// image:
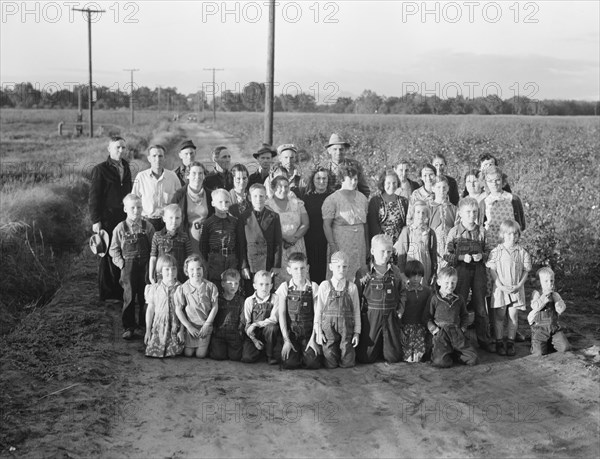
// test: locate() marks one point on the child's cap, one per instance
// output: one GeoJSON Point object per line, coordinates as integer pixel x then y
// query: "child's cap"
{"type": "Point", "coordinates": [339, 257]}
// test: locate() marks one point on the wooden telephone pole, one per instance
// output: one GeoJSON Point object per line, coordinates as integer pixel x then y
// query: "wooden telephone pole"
{"type": "Point", "coordinates": [131, 92]}
{"type": "Point", "coordinates": [90, 92]}
{"type": "Point", "coordinates": [213, 70]}
{"type": "Point", "coordinates": [270, 87]}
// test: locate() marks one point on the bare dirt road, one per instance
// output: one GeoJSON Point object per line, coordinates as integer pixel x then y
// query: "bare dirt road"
{"type": "Point", "coordinates": [96, 395]}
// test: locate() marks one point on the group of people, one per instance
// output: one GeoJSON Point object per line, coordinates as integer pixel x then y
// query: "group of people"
{"type": "Point", "coordinates": [311, 270]}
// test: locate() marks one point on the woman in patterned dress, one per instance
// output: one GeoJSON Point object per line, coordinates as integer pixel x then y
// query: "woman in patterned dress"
{"type": "Point", "coordinates": [345, 221]}
{"type": "Point", "coordinates": [293, 219]}
{"type": "Point", "coordinates": [387, 210]}
{"type": "Point", "coordinates": [319, 187]}
{"type": "Point", "coordinates": [497, 206]}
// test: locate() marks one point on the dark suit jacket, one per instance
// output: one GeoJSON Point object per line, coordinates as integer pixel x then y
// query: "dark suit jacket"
{"type": "Point", "coordinates": [216, 180]}
{"type": "Point", "coordinates": [106, 194]}
{"type": "Point", "coordinates": [271, 231]}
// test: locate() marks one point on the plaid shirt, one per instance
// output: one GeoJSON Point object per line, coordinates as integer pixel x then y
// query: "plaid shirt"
{"type": "Point", "coordinates": [461, 241]}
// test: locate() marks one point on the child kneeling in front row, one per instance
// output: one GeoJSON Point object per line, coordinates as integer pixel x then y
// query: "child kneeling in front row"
{"type": "Point", "coordinates": [226, 341]}
{"type": "Point", "coordinates": [543, 318]}
{"type": "Point", "coordinates": [337, 317]}
{"type": "Point", "coordinates": [382, 295]}
{"type": "Point", "coordinates": [414, 337]}
{"type": "Point", "coordinates": [196, 306]}
{"type": "Point", "coordinates": [162, 325]}
{"type": "Point", "coordinates": [297, 299]}
{"type": "Point", "coordinates": [447, 319]}
{"type": "Point", "coordinates": [261, 321]}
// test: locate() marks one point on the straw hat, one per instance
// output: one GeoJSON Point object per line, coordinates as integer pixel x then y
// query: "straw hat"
{"type": "Point", "coordinates": [335, 139]}
{"type": "Point", "coordinates": [99, 243]}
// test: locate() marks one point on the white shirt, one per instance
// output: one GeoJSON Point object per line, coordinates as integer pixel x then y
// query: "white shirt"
{"type": "Point", "coordinates": [155, 193]}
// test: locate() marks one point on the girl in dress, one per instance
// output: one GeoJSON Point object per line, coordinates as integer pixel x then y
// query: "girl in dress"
{"type": "Point", "coordinates": [509, 265]}
{"type": "Point", "coordinates": [418, 242]}
{"type": "Point", "coordinates": [387, 210]}
{"type": "Point", "coordinates": [196, 305]}
{"type": "Point", "coordinates": [162, 324]}
{"type": "Point", "coordinates": [413, 331]}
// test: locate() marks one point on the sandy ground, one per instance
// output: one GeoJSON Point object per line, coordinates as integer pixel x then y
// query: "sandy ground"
{"type": "Point", "coordinates": [101, 397]}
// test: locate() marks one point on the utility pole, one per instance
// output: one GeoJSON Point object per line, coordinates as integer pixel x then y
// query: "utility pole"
{"type": "Point", "coordinates": [213, 70]}
{"type": "Point", "coordinates": [158, 101]}
{"type": "Point", "coordinates": [270, 87]}
{"type": "Point", "coordinates": [131, 92]}
{"type": "Point", "coordinates": [89, 21]}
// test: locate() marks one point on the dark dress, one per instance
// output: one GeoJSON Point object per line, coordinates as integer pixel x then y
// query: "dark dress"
{"type": "Point", "coordinates": [316, 243]}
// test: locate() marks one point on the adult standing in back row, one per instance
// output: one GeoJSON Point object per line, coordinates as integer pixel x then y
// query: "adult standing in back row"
{"type": "Point", "coordinates": [337, 149]}
{"type": "Point", "coordinates": [111, 182]}
{"type": "Point", "coordinates": [156, 186]}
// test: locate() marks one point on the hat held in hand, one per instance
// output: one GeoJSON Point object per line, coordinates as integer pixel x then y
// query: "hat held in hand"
{"type": "Point", "coordinates": [99, 243]}
{"type": "Point", "coordinates": [335, 139]}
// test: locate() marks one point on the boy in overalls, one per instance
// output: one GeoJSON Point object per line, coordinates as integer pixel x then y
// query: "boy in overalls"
{"type": "Point", "coordinates": [296, 316]}
{"type": "Point", "coordinates": [259, 238]}
{"type": "Point", "coordinates": [337, 316]}
{"type": "Point", "coordinates": [261, 321]}
{"type": "Point", "coordinates": [130, 252]}
{"type": "Point", "coordinates": [383, 299]}
{"type": "Point", "coordinates": [543, 318]}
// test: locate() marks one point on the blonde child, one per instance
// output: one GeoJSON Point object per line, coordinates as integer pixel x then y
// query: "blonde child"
{"type": "Point", "coordinates": [543, 318]}
{"type": "Point", "coordinates": [443, 216]}
{"type": "Point", "coordinates": [509, 265]}
{"type": "Point", "coordinates": [382, 296]}
{"type": "Point", "coordinates": [447, 317]}
{"type": "Point", "coordinates": [196, 306]}
{"type": "Point", "coordinates": [467, 252]}
{"type": "Point", "coordinates": [170, 240]}
{"type": "Point", "coordinates": [413, 331]}
{"type": "Point", "coordinates": [162, 324]}
{"type": "Point", "coordinates": [130, 252]}
{"type": "Point", "coordinates": [218, 237]}
{"type": "Point", "coordinates": [418, 242]}
{"type": "Point", "coordinates": [261, 318]}
{"type": "Point", "coordinates": [337, 316]}
{"type": "Point", "coordinates": [226, 341]}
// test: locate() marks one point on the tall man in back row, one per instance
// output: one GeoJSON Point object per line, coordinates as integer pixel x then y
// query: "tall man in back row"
{"type": "Point", "coordinates": [111, 182]}
{"type": "Point", "coordinates": [221, 176]}
{"type": "Point", "coordinates": [337, 149]}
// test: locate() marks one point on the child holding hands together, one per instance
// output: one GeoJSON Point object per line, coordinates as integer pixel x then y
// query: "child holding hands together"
{"type": "Point", "coordinates": [509, 265]}
{"type": "Point", "coordinates": [196, 306]}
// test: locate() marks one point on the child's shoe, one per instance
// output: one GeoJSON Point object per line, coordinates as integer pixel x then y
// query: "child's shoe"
{"type": "Point", "coordinates": [510, 349]}
{"type": "Point", "coordinates": [128, 334]}
{"type": "Point", "coordinates": [500, 349]}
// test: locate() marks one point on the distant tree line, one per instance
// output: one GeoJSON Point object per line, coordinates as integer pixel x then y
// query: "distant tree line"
{"type": "Point", "coordinates": [252, 98]}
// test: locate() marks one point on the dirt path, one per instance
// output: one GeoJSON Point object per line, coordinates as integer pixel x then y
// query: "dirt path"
{"type": "Point", "coordinates": [104, 398]}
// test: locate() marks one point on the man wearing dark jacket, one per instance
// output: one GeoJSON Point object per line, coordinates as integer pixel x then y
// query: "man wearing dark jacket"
{"type": "Point", "coordinates": [111, 182]}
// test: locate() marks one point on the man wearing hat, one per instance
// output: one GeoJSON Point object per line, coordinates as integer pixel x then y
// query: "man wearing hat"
{"type": "Point", "coordinates": [221, 176]}
{"type": "Point", "coordinates": [287, 156]}
{"type": "Point", "coordinates": [337, 148]}
{"type": "Point", "coordinates": [264, 156]}
{"type": "Point", "coordinates": [187, 154]}
{"type": "Point", "coordinates": [111, 182]}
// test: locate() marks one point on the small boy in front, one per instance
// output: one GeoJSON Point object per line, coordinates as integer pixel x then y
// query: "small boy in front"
{"type": "Point", "coordinates": [218, 237]}
{"type": "Point", "coordinates": [467, 252]}
{"type": "Point", "coordinates": [261, 321]}
{"type": "Point", "coordinates": [543, 318]}
{"type": "Point", "coordinates": [337, 316]}
{"type": "Point", "coordinates": [171, 240]}
{"type": "Point", "coordinates": [259, 237]}
{"type": "Point", "coordinates": [130, 252]}
{"type": "Point", "coordinates": [226, 341]}
{"type": "Point", "coordinates": [382, 304]}
{"type": "Point", "coordinates": [447, 317]}
{"type": "Point", "coordinates": [297, 299]}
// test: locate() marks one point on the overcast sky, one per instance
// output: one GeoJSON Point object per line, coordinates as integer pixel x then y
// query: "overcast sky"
{"type": "Point", "coordinates": [540, 49]}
